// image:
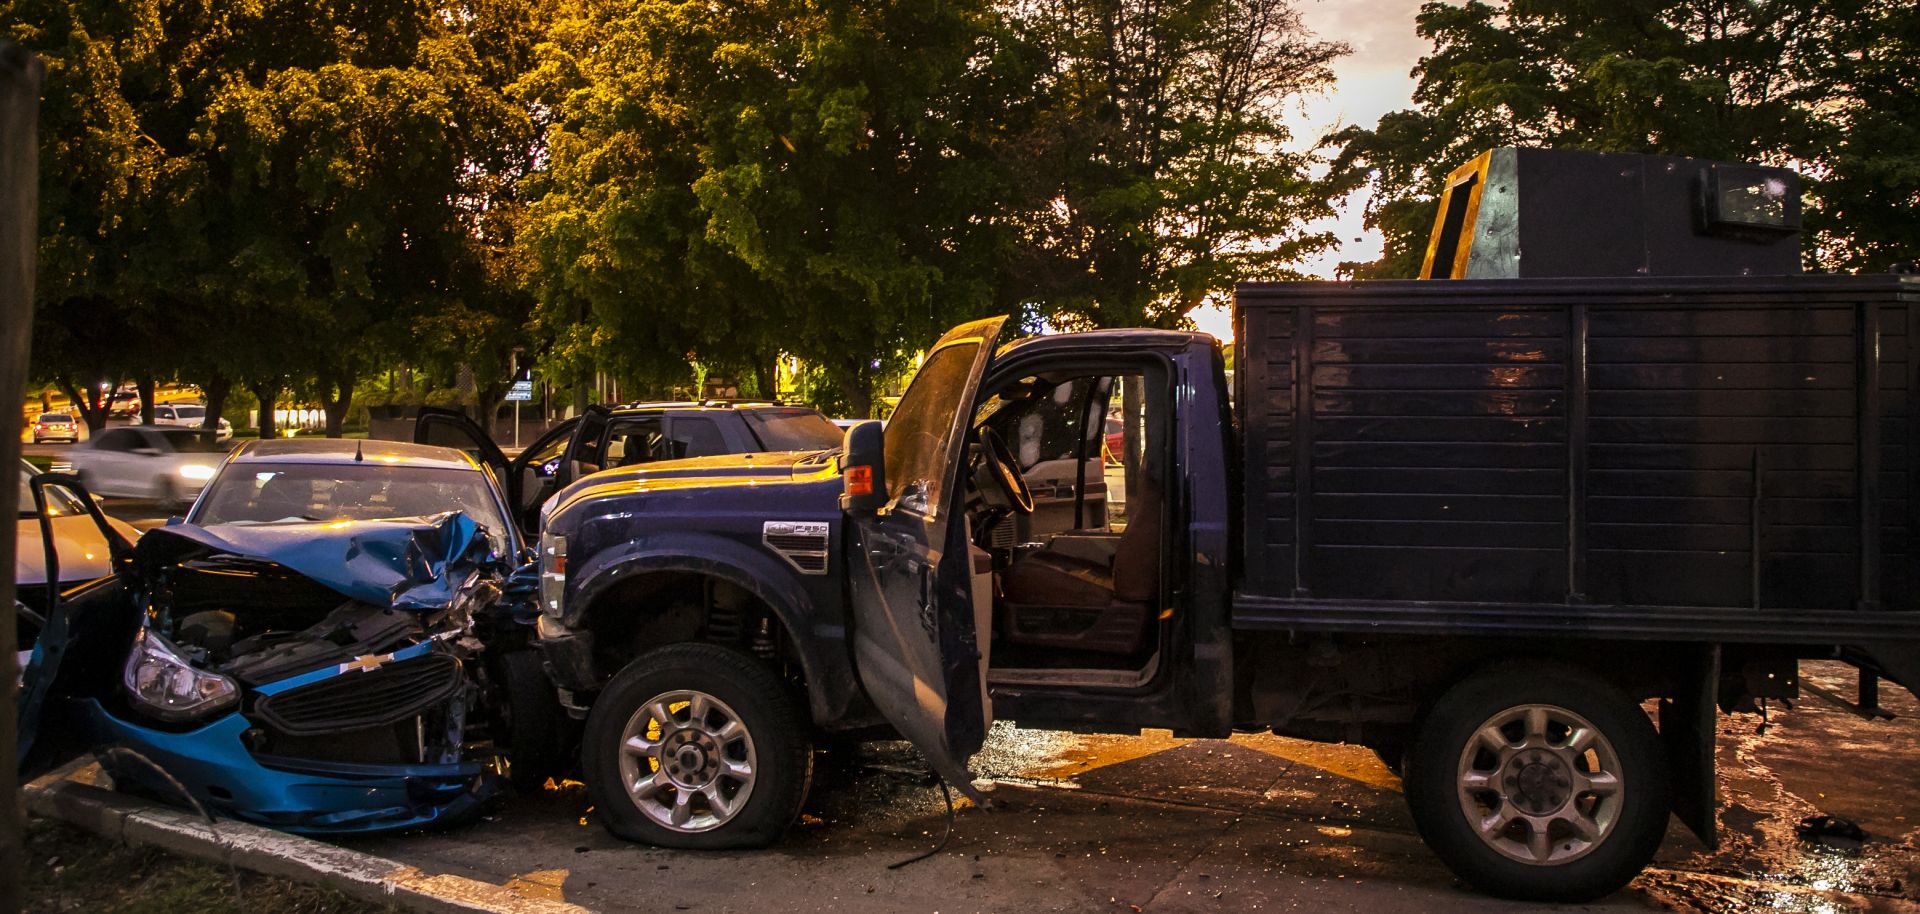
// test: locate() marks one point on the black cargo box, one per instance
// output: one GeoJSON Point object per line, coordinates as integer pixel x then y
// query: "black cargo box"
{"type": "Point", "coordinates": [1543, 447]}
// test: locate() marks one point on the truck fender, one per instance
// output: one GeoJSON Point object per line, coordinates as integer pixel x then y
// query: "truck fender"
{"type": "Point", "coordinates": [829, 685]}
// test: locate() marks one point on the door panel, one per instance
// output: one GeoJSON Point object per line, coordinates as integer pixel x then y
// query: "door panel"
{"type": "Point", "coordinates": [916, 641]}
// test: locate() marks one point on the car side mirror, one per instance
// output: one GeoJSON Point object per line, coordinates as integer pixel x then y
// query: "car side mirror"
{"type": "Point", "coordinates": [863, 469]}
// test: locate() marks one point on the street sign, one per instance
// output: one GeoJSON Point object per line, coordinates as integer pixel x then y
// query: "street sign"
{"type": "Point", "coordinates": [521, 390]}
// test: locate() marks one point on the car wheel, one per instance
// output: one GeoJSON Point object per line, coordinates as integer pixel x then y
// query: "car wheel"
{"type": "Point", "coordinates": [540, 735]}
{"type": "Point", "coordinates": [697, 746]}
{"type": "Point", "coordinates": [1539, 782]}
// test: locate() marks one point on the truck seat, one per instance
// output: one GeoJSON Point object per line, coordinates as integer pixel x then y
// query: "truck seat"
{"type": "Point", "coordinates": [1066, 598]}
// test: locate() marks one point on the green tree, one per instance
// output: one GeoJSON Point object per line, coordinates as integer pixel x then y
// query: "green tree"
{"type": "Point", "coordinates": [1159, 170]}
{"type": "Point", "coordinates": [732, 183]}
{"type": "Point", "coordinates": [99, 174]}
{"type": "Point", "coordinates": [1789, 82]}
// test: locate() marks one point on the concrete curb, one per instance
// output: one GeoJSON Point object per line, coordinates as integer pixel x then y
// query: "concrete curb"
{"type": "Point", "coordinates": [134, 821]}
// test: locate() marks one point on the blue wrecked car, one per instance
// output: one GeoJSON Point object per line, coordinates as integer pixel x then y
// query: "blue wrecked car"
{"type": "Point", "coordinates": [318, 677]}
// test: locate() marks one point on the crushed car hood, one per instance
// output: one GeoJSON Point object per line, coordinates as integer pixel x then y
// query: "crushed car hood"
{"type": "Point", "coordinates": [413, 564]}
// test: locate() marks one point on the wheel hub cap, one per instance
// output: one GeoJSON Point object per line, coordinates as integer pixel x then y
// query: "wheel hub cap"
{"type": "Point", "coordinates": [1540, 784]}
{"type": "Point", "coordinates": [687, 761]}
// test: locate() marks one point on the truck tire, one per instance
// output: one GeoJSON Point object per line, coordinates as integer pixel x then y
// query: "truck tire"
{"type": "Point", "coordinates": [697, 746]}
{"type": "Point", "coordinates": [540, 735]}
{"type": "Point", "coordinates": [1539, 782]}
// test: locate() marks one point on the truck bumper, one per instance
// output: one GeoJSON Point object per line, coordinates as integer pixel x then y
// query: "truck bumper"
{"type": "Point", "coordinates": [568, 655]}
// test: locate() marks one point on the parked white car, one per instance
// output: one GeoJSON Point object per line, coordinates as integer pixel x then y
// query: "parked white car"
{"type": "Point", "coordinates": [149, 461]}
{"type": "Point", "coordinates": [188, 415]}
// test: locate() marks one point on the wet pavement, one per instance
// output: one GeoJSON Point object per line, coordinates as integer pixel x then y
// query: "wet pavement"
{"type": "Point", "coordinates": [1258, 823]}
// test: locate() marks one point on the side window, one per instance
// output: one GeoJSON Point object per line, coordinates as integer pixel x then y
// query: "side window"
{"type": "Point", "coordinates": [118, 440]}
{"type": "Point", "coordinates": [1041, 421]}
{"type": "Point", "coordinates": [696, 437]}
{"type": "Point", "coordinates": [544, 459]}
{"type": "Point", "coordinates": [631, 441]}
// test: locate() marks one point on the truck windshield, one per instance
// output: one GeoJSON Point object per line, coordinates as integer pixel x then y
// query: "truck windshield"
{"type": "Point", "coordinates": [917, 434]}
{"type": "Point", "coordinates": [793, 429]}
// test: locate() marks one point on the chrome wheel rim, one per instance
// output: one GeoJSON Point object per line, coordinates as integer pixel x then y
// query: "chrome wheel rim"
{"type": "Point", "coordinates": [1540, 784]}
{"type": "Point", "coordinates": [687, 761]}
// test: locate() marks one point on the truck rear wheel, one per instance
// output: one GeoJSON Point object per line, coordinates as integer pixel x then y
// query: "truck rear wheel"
{"type": "Point", "coordinates": [697, 746]}
{"type": "Point", "coordinates": [1539, 782]}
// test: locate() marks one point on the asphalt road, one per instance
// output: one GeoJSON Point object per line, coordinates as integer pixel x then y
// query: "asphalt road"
{"type": "Point", "coordinates": [1150, 823]}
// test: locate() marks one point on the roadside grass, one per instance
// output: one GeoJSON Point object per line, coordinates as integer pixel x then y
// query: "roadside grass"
{"type": "Point", "coordinates": [71, 870]}
{"type": "Point", "coordinates": [40, 462]}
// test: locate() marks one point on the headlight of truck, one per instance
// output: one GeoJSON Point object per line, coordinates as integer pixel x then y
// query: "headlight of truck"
{"type": "Point", "coordinates": [553, 573]}
{"type": "Point", "coordinates": [161, 681]}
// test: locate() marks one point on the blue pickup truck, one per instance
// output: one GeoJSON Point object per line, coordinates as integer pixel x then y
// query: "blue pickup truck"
{"type": "Point", "coordinates": [1479, 523]}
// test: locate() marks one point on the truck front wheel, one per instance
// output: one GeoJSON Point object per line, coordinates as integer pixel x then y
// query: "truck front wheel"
{"type": "Point", "coordinates": [697, 746]}
{"type": "Point", "coordinates": [1539, 782]}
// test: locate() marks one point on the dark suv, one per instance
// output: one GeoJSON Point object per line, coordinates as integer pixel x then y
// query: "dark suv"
{"type": "Point", "coordinates": [606, 437]}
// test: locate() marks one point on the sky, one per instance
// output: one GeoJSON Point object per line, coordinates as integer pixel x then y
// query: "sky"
{"type": "Point", "coordinates": [1371, 81]}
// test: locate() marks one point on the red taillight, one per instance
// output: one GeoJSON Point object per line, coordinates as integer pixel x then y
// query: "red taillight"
{"type": "Point", "coordinates": [859, 480]}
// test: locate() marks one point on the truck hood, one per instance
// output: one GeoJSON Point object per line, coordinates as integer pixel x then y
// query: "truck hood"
{"type": "Point", "coordinates": [719, 472]}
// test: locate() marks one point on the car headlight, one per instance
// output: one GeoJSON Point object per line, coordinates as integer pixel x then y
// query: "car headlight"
{"type": "Point", "coordinates": [161, 682]}
{"type": "Point", "coordinates": [196, 471]}
{"type": "Point", "coordinates": [553, 573]}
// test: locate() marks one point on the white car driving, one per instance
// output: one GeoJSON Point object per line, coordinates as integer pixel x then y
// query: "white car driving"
{"type": "Point", "coordinates": [149, 461]}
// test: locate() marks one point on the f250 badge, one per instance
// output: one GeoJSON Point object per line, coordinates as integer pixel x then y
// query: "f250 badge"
{"type": "Point", "coordinates": [803, 544]}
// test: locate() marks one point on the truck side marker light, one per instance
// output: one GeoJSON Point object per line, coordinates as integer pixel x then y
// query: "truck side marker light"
{"type": "Point", "coordinates": [860, 480]}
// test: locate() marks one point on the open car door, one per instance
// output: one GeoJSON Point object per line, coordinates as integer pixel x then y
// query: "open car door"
{"type": "Point", "coordinates": [918, 646]}
{"type": "Point", "coordinates": [447, 428]}
{"type": "Point", "coordinates": [80, 645]}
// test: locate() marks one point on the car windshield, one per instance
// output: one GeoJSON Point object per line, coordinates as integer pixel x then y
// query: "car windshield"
{"type": "Point", "coordinates": [190, 412]}
{"type": "Point", "coordinates": [793, 429]}
{"type": "Point", "coordinates": [186, 441]}
{"type": "Point", "coordinates": [60, 502]}
{"type": "Point", "coordinates": [265, 493]}
{"type": "Point", "coordinates": [55, 417]}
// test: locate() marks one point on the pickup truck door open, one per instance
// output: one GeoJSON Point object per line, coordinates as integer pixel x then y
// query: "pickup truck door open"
{"type": "Point", "coordinates": [919, 650]}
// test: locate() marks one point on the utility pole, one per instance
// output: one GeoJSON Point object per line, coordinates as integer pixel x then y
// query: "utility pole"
{"type": "Point", "coordinates": [20, 74]}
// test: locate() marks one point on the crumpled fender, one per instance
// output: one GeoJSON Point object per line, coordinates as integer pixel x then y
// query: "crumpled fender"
{"type": "Point", "coordinates": [830, 679]}
{"type": "Point", "coordinates": [412, 564]}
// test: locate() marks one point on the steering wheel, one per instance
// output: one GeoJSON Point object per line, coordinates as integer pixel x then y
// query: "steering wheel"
{"type": "Point", "coordinates": [1002, 470]}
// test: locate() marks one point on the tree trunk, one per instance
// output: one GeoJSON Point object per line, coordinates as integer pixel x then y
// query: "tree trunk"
{"type": "Point", "coordinates": [766, 376]}
{"type": "Point", "coordinates": [268, 395]}
{"type": "Point", "coordinates": [143, 385]}
{"type": "Point", "coordinates": [336, 397]}
{"type": "Point", "coordinates": [20, 74]}
{"type": "Point", "coordinates": [87, 401]}
{"type": "Point", "coordinates": [856, 388]}
{"type": "Point", "coordinates": [216, 387]}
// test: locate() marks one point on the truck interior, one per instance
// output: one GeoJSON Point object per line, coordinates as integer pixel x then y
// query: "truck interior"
{"type": "Point", "coordinates": [1077, 583]}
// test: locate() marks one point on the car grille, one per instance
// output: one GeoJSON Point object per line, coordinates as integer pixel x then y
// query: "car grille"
{"type": "Point", "coordinates": [352, 701]}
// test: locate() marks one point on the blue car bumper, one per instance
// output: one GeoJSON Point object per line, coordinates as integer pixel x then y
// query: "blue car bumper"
{"type": "Point", "coordinates": [297, 795]}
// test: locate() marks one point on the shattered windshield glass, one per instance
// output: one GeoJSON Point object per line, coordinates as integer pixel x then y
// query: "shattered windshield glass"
{"type": "Point", "coordinates": [269, 492]}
